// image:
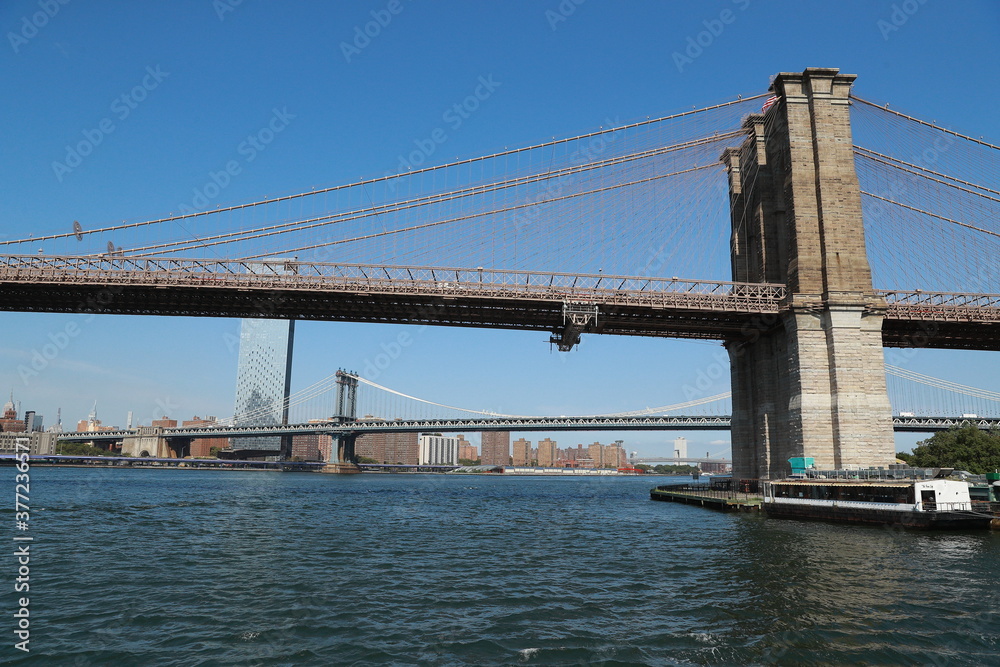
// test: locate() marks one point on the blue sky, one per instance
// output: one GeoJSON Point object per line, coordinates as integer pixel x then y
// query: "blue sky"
{"type": "Point", "coordinates": [215, 72]}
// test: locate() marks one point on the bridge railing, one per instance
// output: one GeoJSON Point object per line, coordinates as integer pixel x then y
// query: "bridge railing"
{"type": "Point", "coordinates": [446, 282]}
{"type": "Point", "coordinates": [917, 304]}
{"type": "Point", "coordinates": [438, 281]}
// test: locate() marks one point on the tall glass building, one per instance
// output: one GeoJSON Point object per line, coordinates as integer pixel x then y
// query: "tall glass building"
{"type": "Point", "coordinates": [263, 379]}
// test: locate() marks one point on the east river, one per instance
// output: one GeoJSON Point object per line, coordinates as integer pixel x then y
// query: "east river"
{"type": "Point", "coordinates": [174, 567]}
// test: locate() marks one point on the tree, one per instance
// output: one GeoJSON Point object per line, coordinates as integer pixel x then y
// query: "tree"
{"type": "Point", "coordinates": [967, 448]}
{"type": "Point", "coordinates": [71, 448]}
{"type": "Point", "coordinates": [675, 470]}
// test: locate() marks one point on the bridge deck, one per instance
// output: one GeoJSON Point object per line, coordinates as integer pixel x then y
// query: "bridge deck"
{"type": "Point", "coordinates": [604, 423]}
{"type": "Point", "coordinates": [625, 305]}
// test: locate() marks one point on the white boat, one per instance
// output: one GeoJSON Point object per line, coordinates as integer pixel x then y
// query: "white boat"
{"type": "Point", "coordinates": [932, 503]}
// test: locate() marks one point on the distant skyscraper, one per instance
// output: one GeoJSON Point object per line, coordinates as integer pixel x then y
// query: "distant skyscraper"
{"type": "Point", "coordinates": [10, 422]}
{"type": "Point", "coordinates": [264, 378]}
{"type": "Point", "coordinates": [596, 454]}
{"type": "Point", "coordinates": [35, 423]}
{"type": "Point", "coordinates": [496, 448]}
{"type": "Point", "coordinates": [681, 448]}
{"type": "Point", "coordinates": [547, 452]}
{"type": "Point", "coordinates": [91, 424]}
{"type": "Point", "coordinates": [522, 452]}
{"type": "Point", "coordinates": [615, 456]}
{"type": "Point", "coordinates": [437, 449]}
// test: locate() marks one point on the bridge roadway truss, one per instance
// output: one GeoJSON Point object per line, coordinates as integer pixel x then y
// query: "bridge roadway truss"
{"type": "Point", "coordinates": [436, 425]}
{"type": "Point", "coordinates": [553, 302]}
{"type": "Point", "coordinates": [679, 423]}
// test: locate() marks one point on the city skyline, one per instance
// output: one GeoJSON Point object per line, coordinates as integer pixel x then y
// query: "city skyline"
{"type": "Point", "coordinates": [372, 112]}
{"type": "Point", "coordinates": [93, 423]}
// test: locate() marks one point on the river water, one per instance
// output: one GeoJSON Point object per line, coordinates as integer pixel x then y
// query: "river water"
{"type": "Point", "coordinates": [175, 567]}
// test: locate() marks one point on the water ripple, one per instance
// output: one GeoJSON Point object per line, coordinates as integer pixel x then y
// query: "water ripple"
{"type": "Point", "coordinates": [247, 568]}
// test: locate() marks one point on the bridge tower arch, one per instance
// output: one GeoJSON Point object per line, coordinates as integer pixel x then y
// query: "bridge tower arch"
{"type": "Point", "coordinates": [346, 410]}
{"type": "Point", "coordinates": [810, 381]}
{"type": "Point", "coordinates": [347, 396]}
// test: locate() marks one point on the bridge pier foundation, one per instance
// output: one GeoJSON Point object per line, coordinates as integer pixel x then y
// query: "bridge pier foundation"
{"type": "Point", "coordinates": [810, 382]}
{"type": "Point", "coordinates": [814, 385]}
{"type": "Point", "coordinates": [148, 441]}
{"type": "Point", "coordinates": [345, 452]}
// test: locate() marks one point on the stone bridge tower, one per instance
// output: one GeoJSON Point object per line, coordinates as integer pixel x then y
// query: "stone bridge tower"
{"type": "Point", "coordinates": [811, 381]}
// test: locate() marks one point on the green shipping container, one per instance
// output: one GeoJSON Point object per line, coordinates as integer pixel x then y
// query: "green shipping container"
{"type": "Point", "coordinates": [800, 463]}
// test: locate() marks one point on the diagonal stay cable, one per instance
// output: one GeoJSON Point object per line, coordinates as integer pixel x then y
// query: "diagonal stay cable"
{"type": "Point", "coordinates": [476, 215]}
{"type": "Point", "coordinates": [897, 164]}
{"type": "Point", "coordinates": [926, 124]}
{"type": "Point", "coordinates": [272, 200]}
{"type": "Point", "coordinates": [933, 215]}
{"type": "Point", "coordinates": [425, 200]}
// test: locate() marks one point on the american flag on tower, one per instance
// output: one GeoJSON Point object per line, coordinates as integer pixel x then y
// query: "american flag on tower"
{"type": "Point", "coordinates": [769, 103]}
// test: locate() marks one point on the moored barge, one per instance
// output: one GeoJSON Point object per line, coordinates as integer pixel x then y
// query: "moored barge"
{"type": "Point", "coordinates": [929, 504]}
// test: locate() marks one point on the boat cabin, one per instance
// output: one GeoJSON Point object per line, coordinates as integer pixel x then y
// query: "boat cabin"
{"type": "Point", "coordinates": [932, 495]}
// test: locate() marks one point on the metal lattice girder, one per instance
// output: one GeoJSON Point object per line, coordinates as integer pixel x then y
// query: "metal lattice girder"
{"type": "Point", "coordinates": [628, 305]}
{"type": "Point", "coordinates": [719, 295]}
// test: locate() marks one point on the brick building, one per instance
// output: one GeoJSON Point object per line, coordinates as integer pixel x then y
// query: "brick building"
{"type": "Point", "coordinates": [202, 446]}
{"type": "Point", "coordinates": [547, 453]}
{"type": "Point", "coordinates": [522, 452]}
{"type": "Point", "coordinates": [466, 450]}
{"type": "Point", "coordinates": [402, 448]}
{"type": "Point", "coordinates": [312, 447]}
{"type": "Point", "coordinates": [496, 448]}
{"type": "Point", "coordinates": [10, 423]}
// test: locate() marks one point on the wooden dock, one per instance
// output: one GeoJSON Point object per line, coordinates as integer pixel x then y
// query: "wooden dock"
{"type": "Point", "coordinates": [722, 500]}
